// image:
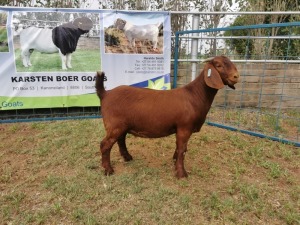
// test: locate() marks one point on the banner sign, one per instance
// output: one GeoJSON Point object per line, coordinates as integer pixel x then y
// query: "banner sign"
{"type": "Point", "coordinates": [49, 57]}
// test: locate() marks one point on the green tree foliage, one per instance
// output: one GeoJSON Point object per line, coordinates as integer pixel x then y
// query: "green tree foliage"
{"type": "Point", "coordinates": [3, 19]}
{"type": "Point", "coordinates": [242, 47]}
{"type": "Point", "coordinates": [269, 47]}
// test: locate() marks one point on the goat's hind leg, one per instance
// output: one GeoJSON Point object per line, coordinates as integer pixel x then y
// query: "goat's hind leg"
{"type": "Point", "coordinates": [25, 54]}
{"type": "Point", "coordinates": [105, 148]}
{"type": "Point", "coordinates": [123, 149]}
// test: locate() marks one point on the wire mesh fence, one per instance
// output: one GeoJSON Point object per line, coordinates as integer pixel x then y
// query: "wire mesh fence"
{"type": "Point", "coordinates": [266, 102]}
{"type": "Point", "coordinates": [47, 114]}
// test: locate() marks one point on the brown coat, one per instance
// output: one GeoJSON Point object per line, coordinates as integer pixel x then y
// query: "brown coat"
{"type": "Point", "coordinates": [154, 113]}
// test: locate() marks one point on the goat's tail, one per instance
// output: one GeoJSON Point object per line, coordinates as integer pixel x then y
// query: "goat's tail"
{"type": "Point", "coordinates": [100, 78]}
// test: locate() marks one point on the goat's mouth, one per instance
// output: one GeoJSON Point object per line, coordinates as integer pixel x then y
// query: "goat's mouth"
{"type": "Point", "coordinates": [231, 86]}
{"type": "Point", "coordinates": [232, 82]}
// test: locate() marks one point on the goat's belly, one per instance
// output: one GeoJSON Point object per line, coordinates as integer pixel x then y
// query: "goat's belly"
{"type": "Point", "coordinates": [152, 133]}
{"type": "Point", "coordinates": [46, 46]}
{"type": "Point", "coordinates": [50, 49]}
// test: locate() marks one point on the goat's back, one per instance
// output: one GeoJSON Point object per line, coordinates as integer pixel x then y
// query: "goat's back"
{"type": "Point", "coordinates": [142, 32]}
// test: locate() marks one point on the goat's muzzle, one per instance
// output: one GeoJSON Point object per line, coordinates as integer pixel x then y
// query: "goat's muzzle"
{"type": "Point", "coordinates": [233, 80]}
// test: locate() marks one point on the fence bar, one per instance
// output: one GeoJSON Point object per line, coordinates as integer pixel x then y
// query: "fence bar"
{"type": "Point", "coordinates": [176, 54]}
{"type": "Point", "coordinates": [240, 61]}
{"type": "Point", "coordinates": [44, 119]}
{"type": "Point", "coordinates": [272, 25]}
{"type": "Point", "coordinates": [236, 37]}
{"type": "Point", "coordinates": [239, 13]}
{"type": "Point", "coordinates": [171, 12]}
{"type": "Point", "coordinates": [256, 134]}
{"type": "Point", "coordinates": [194, 50]}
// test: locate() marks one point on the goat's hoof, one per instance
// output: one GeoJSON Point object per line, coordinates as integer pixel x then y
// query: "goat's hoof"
{"type": "Point", "coordinates": [175, 156]}
{"type": "Point", "coordinates": [181, 174]}
{"type": "Point", "coordinates": [127, 158]}
{"type": "Point", "coordinates": [108, 172]}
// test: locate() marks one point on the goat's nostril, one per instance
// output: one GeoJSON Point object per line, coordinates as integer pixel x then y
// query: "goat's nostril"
{"type": "Point", "coordinates": [236, 76]}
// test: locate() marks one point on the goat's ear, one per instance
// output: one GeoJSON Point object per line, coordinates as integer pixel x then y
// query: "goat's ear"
{"type": "Point", "coordinates": [212, 77]}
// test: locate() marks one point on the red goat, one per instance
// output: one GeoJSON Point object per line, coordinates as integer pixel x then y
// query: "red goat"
{"type": "Point", "coordinates": [154, 113]}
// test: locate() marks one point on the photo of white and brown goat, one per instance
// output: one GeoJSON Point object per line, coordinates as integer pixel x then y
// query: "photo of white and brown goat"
{"type": "Point", "coordinates": [126, 37]}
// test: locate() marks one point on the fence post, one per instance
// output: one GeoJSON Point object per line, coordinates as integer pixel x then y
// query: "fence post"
{"type": "Point", "coordinates": [176, 55]}
{"type": "Point", "coordinates": [194, 50]}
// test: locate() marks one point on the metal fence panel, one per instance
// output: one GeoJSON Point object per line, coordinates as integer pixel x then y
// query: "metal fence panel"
{"type": "Point", "coordinates": [267, 100]}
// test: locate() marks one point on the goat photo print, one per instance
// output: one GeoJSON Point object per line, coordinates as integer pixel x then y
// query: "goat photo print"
{"type": "Point", "coordinates": [133, 34]}
{"type": "Point", "coordinates": [56, 41]}
{"type": "Point", "coordinates": [3, 33]}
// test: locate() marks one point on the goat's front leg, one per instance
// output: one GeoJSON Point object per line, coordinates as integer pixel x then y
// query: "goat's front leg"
{"type": "Point", "coordinates": [63, 61]}
{"type": "Point", "coordinates": [182, 137]}
{"type": "Point", "coordinates": [175, 155]}
{"type": "Point", "coordinates": [133, 42]}
{"type": "Point", "coordinates": [154, 44]}
{"type": "Point", "coordinates": [68, 60]}
{"type": "Point", "coordinates": [30, 53]}
{"type": "Point", "coordinates": [123, 149]}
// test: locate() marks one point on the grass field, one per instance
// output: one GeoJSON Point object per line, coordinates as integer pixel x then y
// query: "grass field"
{"type": "Point", "coordinates": [3, 40]}
{"type": "Point", "coordinates": [284, 124]}
{"type": "Point", "coordinates": [82, 61]}
{"type": "Point", "coordinates": [50, 173]}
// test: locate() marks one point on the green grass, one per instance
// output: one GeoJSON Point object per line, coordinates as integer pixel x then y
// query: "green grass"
{"type": "Point", "coordinates": [50, 172]}
{"type": "Point", "coordinates": [283, 124]}
{"type": "Point", "coordinates": [4, 49]}
{"type": "Point", "coordinates": [3, 34]}
{"type": "Point", "coordinates": [3, 39]}
{"type": "Point", "coordinates": [82, 61]}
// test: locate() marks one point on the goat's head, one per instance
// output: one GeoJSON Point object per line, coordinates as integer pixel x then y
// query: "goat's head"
{"type": "Point", "coordinates": [120, 24]}
{"type": "Point", "coordinates": [220, 71]}
{"type": "Point", "coordinates": [83, 23]}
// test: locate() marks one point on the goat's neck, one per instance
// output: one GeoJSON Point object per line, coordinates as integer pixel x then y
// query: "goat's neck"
{"type": "Point", "coordinates": [203, 94]}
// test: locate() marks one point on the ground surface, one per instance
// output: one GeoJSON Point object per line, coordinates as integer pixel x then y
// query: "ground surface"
{"type": "Point", "coordinates": [50, 173]}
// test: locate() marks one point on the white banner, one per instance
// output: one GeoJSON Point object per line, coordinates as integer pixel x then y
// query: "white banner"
{"type": "Point", "coordinates": [49, 57]}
